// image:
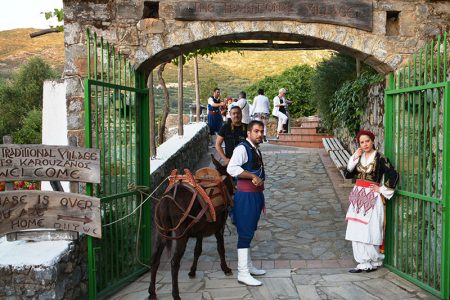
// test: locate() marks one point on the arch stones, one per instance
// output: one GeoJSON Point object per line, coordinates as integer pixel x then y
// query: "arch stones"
{"type": "Point", "coordinates": [389, 32]}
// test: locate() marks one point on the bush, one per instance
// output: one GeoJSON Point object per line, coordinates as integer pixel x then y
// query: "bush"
{"type": "Point", "coordinates": [31, 130]}
{"type": "Point", "coordinates": [297, 82]}
{"type": "Point", "coordinates": [349, 102]}
{"type": "Point", "coordinates": [329, 77]}
{"type": "Point", "coordinates": [23, 94]}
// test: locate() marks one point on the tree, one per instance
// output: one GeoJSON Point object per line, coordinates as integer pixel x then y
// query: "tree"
{"type": "Point", "coordinates": [208, 51]}
{"type": "Point", "coordinates": [31, 130]}
{"type": "Point", "coordinates": [297, 82]}
{"type": "Point", "coordinates": [166, 107]}
{"type": "Point", "coordinates": [23, 94]}
{"type": "Point", "coordinates": [330, 75]}
{"type": "Point", "coordinates": [57, 13]}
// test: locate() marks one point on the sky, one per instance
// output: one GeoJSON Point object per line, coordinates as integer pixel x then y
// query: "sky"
{"type": "Point", "coordinates": [26, 13]}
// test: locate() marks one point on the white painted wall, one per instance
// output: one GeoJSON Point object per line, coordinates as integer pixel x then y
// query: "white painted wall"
{"type": "Point", "coordinates": [54, 119]}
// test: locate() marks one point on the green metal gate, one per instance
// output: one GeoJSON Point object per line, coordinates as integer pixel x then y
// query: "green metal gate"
{"type": "Point", "coordinates": [417, 140]}
{"type": "Point", "coordinates": [116, 122]}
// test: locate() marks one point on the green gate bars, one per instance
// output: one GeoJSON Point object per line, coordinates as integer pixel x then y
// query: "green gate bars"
{"type": "Point", "coordinates": [116, 122]}
{"type": "Point", "coordinates": [417, 140]}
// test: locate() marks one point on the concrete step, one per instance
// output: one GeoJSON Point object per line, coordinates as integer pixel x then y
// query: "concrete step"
{"type": "Point", "coordinates": [310, 124]}
{"type": "Point", "coordinates": [301, 130]}
{"type": "Point", "coordinates": [292, 137]}
{"type": "Point", "coordinates": [297, 144]}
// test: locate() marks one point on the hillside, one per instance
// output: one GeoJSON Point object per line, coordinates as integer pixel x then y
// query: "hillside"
{"type": "Point", "coordinates": [232, 71]}
{"type": "Point", "coordinates": [235, 71]}
{"type": "Point", "coordinates": [16, 47]}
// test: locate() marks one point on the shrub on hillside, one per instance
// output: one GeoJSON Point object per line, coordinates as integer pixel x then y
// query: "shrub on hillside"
{"type": "Point", "coordinates": [297, 82]}
{"type": "Point", "coordinates": [23, 94]}
{"type": "Point", "coordinates": [31, 130]}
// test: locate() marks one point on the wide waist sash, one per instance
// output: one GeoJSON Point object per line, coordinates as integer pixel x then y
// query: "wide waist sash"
{"type": "Point", "coordinates": [246, 185]}
{"type": "Point", "coordinates": [214, 112]}
{"type": "Point", "coordinates": [365, 183]}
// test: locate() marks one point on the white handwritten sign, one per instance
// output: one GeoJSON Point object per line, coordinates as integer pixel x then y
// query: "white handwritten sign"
{"type": "Point", "coordinates": [23, 210]}
{"type": "Point", "coordinates": [53, 163]}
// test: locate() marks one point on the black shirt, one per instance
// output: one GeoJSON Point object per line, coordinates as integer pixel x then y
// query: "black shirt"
{"type": "Point", "coordinates": [232, 136]}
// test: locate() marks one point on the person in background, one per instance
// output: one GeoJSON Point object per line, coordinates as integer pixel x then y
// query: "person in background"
{"type": "Point", "coordinates": [232, 133]}
{"type": "Point", "coordinates": [214, 117]}
{"type": "Point", "coordinates": [279, 110]}
{"type": "Point", "coordinates": [229, 103]}
{"type": "Point", "coordinates": [260, 110]}
{"type": "Point", "coordinates": [247, 165]}
{"type": "Point", "coordinates": [245, 107]}
{"type": "Point", "coordinates": [376, 179]}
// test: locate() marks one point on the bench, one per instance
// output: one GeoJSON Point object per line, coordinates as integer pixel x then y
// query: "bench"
{"type": "Point", "coordinates": [337, 153]}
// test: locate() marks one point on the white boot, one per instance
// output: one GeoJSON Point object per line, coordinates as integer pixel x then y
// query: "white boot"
{"type": "Point", "coordinates": [253, 271]}
{"type": "Point", "coordinates": [243, 273]}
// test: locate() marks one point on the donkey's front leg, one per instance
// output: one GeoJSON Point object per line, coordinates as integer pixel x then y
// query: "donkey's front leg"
{"type": "Point", "coordinates": [197, 253]}
{"type": "Point", "coordinates": [175, 266]}
{"type": "Point", "coordinates": [221, 250]}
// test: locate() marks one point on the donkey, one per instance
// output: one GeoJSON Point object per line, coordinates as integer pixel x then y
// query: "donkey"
{"type": "Point", "coordinates": [169, 216]}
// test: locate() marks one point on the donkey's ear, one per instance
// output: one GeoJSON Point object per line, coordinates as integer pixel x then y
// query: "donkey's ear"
{"type": "Point", "coordinates": [222, 170]}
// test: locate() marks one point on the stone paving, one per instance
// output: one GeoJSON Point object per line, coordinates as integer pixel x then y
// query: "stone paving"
{"type": "Point", "coordinates": [300, 241]}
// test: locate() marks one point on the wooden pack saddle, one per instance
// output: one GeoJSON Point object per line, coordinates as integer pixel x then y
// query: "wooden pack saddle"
{"type": "Point", "coordinates": [209, 185]}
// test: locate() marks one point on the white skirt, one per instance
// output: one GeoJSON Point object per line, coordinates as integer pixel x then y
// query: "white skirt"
{"type": "Point", "coordinates": [365, 217]}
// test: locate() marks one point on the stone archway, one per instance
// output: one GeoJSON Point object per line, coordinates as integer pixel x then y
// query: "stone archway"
{"type": "Point", "coordinates": [376, 51]}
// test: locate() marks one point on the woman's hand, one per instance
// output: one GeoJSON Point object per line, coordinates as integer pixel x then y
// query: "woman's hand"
{"type": "Point", "coordinates": [358, 152]}
{"type": "Point", "coordinates": [374, 188]}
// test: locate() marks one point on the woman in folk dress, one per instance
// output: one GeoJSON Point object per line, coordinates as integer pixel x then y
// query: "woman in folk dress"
{"type": "Point", "coordinates": [376, 179]}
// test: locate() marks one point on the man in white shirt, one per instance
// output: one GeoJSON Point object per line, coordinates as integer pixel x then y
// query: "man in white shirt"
{"type": "Point", "coordinates": [260, 110]}
{"type": "Point", "coordinates": [279, 110]}
{"type": "Point", "coordinates": [246, 164]}
{"type": "Point", "coordinates": [245, 107]}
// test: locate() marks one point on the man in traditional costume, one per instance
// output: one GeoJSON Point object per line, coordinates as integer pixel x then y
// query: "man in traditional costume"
{"type": "Point", "coordinates": [232, 133]}
{"type": "Point", "coordinates": [214, 115]}
{"type": "Point", "coordinates": [246, 164]}
{"type": "Point", "coordinates": [376, 179]}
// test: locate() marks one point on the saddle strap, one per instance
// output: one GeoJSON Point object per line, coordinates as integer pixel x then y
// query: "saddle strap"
{"type": "Point", "coordinates": [183, 217]}
{"type": "Point", "coordinates": [193, 222]}
{"type": "Point", "coordinates": [189, 179]}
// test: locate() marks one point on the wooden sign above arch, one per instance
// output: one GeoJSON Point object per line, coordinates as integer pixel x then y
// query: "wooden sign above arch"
{"type": "Point", "coordinates": [352, 13]}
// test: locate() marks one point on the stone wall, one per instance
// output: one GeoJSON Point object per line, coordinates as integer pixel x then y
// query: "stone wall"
{"type": "Point", "coordinates": [371, 120]}
{"type": "Point", "coordinates": [186, 157]}
{"type": "Point", "coordinates": [150, 41]}
{"type": "Point", "coordinates": [65, 279]}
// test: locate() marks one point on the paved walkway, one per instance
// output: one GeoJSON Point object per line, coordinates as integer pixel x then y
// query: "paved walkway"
{"type": "Point", "coordinates": [299, 241]}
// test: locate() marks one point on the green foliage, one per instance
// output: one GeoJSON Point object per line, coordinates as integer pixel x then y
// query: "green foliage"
{"type": "Point", "coordinates": [58, 14]}
{"type": "Point", "coordinates": [23, 94]}
{"type": "Point", "coordinates": [297, 82]}
{"type": "Point", "coordinates": [206, 89]}
{"type": "Point", "coordinates": [349, 102]}
{"type": "Point", "coordinates": [330, 75]}
{"type": "Point", "coordinates": [207, 52]}
{"type": "Point", "coordinates": [30, 132]}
